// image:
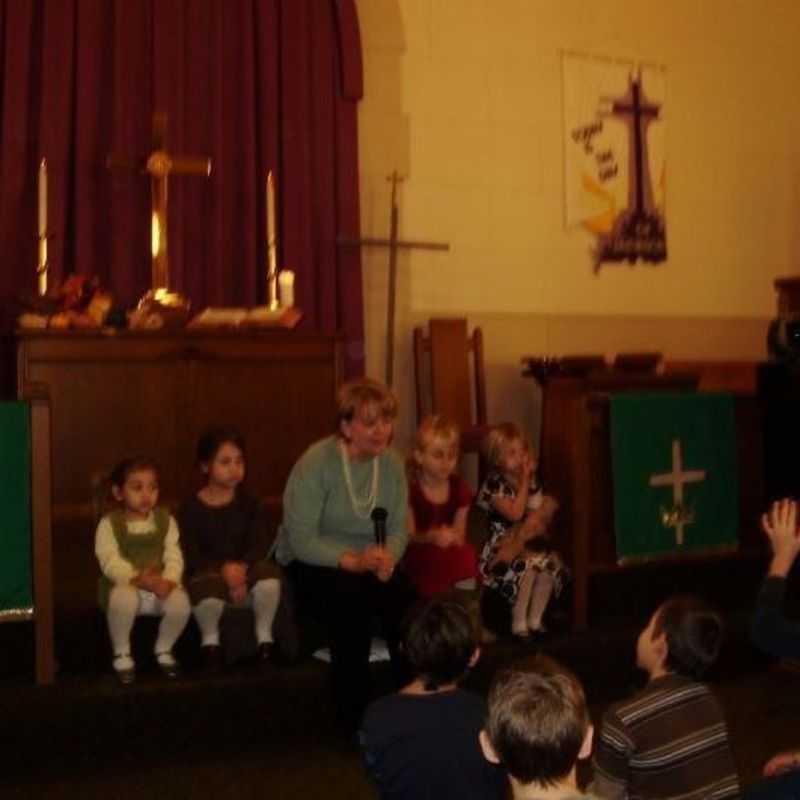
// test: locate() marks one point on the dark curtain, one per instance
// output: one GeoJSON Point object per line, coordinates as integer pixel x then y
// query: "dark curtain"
{"type": "Point", "coordinates": [254, 84]}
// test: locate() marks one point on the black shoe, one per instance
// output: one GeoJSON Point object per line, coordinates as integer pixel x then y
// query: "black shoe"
{"type": "Point", "coordinates": [540, 635]}
{"type": "Point", "coordinates": [126, 676]}
{"type": "Point", "coordinates": [124, 669]}
{"type": "Point", "coordinates": [266, 654]}
{"type": "Point", "coordinates": [168, 665]}
{"type": "Point", "coordinates": [212, 658]}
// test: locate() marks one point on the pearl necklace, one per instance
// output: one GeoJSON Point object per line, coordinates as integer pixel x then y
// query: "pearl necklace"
{"type": "Point", "coordinates": [362, 506]}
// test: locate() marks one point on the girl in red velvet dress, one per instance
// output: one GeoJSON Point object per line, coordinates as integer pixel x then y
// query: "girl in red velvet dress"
{"type": "Point", "coordinates": [438, 557]}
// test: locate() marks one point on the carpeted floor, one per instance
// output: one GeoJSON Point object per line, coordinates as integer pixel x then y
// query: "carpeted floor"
{"type": "Point", "coordinates": [271, 734]}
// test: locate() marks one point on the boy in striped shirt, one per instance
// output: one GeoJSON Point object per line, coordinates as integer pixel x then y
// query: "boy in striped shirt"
{"type": "Point", "coordinates": [670, 740]}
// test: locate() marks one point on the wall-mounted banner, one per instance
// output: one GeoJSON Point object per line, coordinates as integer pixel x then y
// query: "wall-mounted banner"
{"type": "Point", "coordinates": [615, 160]}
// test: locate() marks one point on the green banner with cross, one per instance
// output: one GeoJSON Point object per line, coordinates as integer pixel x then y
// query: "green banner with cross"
{"type": "Point", "coordinates": [16, 586]}
{"type": "Point", "coordinates": [674, 468]}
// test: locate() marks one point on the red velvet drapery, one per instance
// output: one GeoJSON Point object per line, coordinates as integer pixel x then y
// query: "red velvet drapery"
{"type": "Point", "coordinates": [254, 84]}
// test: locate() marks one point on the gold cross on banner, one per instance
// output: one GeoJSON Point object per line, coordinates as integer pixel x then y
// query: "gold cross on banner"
{"type": "Point", "coordinates": [394, 244]}
{"type": "Point", "coordinates": [160, 164]}
{"type": "Point", "coordinates": [678, 517]}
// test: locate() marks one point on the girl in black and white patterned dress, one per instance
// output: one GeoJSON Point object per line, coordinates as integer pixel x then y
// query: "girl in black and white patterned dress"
{"type": "Point", "coordinates": [517, 561]}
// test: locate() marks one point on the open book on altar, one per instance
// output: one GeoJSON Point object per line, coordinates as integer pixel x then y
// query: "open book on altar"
{"type": "Point", "coordinates": [257, 317]}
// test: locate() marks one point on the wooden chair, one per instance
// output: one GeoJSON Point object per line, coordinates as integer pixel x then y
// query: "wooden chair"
{"type": "Point", "coordinates": [447, 384]}
{"type": "Point", "coordinates": [27, 457]}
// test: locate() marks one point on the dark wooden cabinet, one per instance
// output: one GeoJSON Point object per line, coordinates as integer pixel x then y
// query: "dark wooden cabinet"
{"type": "Point", "coordinates": [116, 394]}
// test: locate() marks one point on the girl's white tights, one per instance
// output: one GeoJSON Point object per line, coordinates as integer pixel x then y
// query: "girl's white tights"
{"type": "Point", "coordinates": [540, 597]}
{"type": "Point", "coordinates": [264, 597]}
{"type": "Point", "coordinates": [208, 613]}
{"type": "Point", "coordinates": [533, 595]}
{"type": "Point", "coordinates": [125, 603]}
{"type": "Point", "coordinates": [519, 614]}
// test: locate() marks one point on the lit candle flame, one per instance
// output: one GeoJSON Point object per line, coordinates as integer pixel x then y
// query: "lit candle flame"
{"type": "Point", "coordinates": [155, 235]}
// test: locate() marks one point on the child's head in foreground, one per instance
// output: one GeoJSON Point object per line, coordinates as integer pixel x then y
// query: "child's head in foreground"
{"type": "Point", "coordinates": [538, 724]}
{"type": "Point", "coordinates": [683, 636]}
{"type": "Point", "coordinates": [440, 643]}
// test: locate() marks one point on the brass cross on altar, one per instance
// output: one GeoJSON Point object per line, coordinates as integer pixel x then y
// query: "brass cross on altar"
{"type": "Point", "coordinates": [160, 164]}
{"type": "Point", "coordinates": [394, 244]}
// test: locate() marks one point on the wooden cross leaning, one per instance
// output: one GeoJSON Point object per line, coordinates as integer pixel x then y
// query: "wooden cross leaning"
{"type": "Point", "coordinates": [160, 164]}
{"type": "Point", "coordinates": [394, 244]}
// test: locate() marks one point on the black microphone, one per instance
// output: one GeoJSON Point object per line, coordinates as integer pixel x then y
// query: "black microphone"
{"type": "Point", "coordinates": [379, 516]}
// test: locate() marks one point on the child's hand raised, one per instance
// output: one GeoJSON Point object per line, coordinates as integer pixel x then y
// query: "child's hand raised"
{"type": "Point", "coordinates": [780, 525]}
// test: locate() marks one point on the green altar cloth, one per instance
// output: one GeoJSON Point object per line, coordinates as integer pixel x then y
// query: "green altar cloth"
{"type": "Point", "coordinates": [674, 470]}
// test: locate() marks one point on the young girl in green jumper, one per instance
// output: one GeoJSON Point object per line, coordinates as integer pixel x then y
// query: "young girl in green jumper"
{"type": "Point", "coordinates": [140, 559]}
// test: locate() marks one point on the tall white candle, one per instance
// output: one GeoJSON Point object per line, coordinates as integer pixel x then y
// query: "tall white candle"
{"type": "Point", "coordinates": [270, 209]}
{"type": "Point", "coordinates": [272, 245]}
{"type": "Point", "coordinates": [41, 270]}
{"type": "Point", "coordinates": [43, 197]}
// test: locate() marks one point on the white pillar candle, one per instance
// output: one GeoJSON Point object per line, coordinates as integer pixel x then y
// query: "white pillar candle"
{"type": "Point", "coordinates": [41, 270]}
{"type": "Point", "coordinates": [286, 282]}
{"type": "Point", "coordinates": [272, 245]}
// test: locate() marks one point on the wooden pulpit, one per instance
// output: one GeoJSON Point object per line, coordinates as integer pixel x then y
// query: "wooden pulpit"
{"type": "Point", "coordinates": [575, 457]}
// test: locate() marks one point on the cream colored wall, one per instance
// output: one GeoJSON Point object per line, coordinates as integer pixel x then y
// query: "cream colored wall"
{"type": "Point", "coordinates": [463, 97]}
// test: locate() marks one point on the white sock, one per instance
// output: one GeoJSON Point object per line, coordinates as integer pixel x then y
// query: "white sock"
{"type": "Point", "coordinates": [540, 597]}
{"type": "Point", "coordinates": [208, 613]}
{"type": "Point", "coordinates": [176, 609]}
{"type": "Point", "coordinates": [123, 663]}
{"type": "Point", "coordinates": [123, 604]}
{"type": "Point", "coordinates": [519, 622]}
{"type": "Point", "coordinates": [266, 596]}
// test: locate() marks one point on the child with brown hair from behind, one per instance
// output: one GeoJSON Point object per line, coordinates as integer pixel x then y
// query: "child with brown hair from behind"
{"type": "Point", "coordinates": [518, 562]}
{"type": "Point", "coordinates": [538, 728]}
{"type": "Point", "coordinates": [138, 550]}
{"type": "Point", "coordinates": [422, 742]}
{"type": "Point", "coordinates": [438, 557]}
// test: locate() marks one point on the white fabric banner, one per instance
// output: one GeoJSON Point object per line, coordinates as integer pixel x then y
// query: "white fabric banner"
{"type": "Point", "coordinates": [614, 153]}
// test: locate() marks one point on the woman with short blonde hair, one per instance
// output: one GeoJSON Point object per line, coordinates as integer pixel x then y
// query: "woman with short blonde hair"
{"type": "Point", "coordinates": [344, 531]}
